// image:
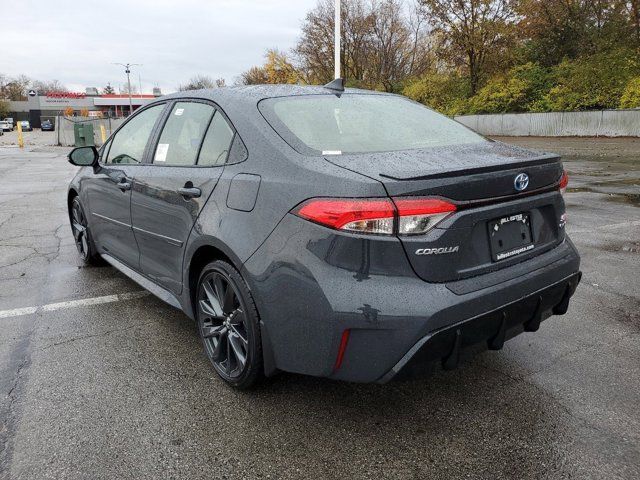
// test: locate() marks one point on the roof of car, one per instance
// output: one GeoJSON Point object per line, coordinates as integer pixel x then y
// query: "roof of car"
{"type": "Point", "coordinates": [240, 103]}
{"type": "Point", "coordinates": [252, 94]}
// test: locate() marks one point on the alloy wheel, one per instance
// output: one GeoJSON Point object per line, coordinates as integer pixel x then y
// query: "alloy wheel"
{"type": "Point", "coordinates": [79, 228]}
{"type": "Point", "coordinates": [223, 324]}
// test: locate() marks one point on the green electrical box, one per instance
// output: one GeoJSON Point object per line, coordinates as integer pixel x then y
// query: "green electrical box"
{"type": "Point", "coordinates": [83, 133]}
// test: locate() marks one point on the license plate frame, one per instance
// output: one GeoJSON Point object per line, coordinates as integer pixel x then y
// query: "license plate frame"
{"type": "Point", "coordinates": [510, 236]}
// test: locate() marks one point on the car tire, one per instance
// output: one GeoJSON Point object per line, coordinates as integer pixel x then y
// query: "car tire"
{"type": "Point", "coordinates": [229, 325]}
{"type": "Point", "coordinates": [82, 235]}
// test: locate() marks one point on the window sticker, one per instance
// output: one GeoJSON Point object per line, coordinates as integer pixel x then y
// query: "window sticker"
{"type": "Point", "coordinates": [179, 111]}
{"type": "Point", "coordinates": [332, 152]}
{"type": "Point", "coordinates": [161, 152]}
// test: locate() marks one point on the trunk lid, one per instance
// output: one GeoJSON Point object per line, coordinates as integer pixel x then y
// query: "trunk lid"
{"type": "Point", "coordinates": [480, 180]}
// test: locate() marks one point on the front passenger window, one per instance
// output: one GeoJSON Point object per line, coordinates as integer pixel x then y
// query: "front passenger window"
{"type": "Point", "coordinates": [127, 147]}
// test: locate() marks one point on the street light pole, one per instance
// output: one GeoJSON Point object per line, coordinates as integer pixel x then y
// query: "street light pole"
{"type": "Point", "coordinates": [336, 47]}
{"type": "Point", "coordinates": [127, 70]}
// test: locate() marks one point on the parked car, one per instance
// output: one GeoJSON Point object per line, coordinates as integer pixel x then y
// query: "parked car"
{"type": "Point", "coordinates": [47, 126]}
{"type": "Point", "coordinates": [10, 121]}
{"type": "Point", "coordinates": [347, 234]}
{"type": "Point", "coordinates": [5, 126]}
{"type": "Point", "coordinates": [26, 126]}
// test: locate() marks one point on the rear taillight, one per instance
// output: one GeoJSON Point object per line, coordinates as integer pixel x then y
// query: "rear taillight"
{"type": "Point", "coordinates": [419, 215]}
{"type": "Point", "coordinates": [564, 181]}
{"type": "Point", "coordinates": [377, 215]}
{"type": "Point", "coordinates": [363, 215]}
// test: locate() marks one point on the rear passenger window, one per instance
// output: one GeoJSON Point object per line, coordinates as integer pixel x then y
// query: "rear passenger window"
{"type": "Point", "coordinates": [217, 142]}
{"type": "Point", "coordinates": [182, 134]}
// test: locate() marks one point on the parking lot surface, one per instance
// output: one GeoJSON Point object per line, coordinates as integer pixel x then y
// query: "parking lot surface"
{"type": "Point", "coordinates": [31, 139]}
{"type": "Point", "coordinates": [100, 380]}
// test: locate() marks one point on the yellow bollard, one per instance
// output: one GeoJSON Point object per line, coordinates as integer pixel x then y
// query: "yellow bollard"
{"type": "Point", "coordinates": [20, 139]}
{"type": "Point", "coordinates": [103, 132]}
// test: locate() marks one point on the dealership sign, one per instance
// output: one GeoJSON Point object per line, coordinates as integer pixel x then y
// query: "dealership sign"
{"type": "Point", "coordinates": [65, 95]}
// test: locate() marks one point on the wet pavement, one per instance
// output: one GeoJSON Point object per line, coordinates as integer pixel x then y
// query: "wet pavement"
{"type": "Point", "coordinates": [121, 389]}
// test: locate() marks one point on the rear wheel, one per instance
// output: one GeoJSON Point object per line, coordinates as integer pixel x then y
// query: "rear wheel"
{"type": "Point", "coordinates": [81, 234]}
{"type": "Point", "coordinates": [228, 325]}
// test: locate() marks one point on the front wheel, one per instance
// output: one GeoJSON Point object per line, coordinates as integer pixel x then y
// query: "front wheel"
{"type": "Point", "coordinates": [81, 234]}
{"type": "Point", "coordinates": [228, 323]}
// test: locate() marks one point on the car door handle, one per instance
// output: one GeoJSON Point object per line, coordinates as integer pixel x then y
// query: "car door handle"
{"type": "Point", "coordinates": [190, 192]}
{"type": "Point", "coordinates": [124, 185]}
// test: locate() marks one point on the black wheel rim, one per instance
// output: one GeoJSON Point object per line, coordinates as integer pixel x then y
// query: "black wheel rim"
{"type": "Point", "coordinates": [79, 227]}
{"type": "Point", "coordinates": [223, 324]}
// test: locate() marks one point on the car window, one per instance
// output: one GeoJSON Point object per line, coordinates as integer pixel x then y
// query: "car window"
{"type": "Point", "coordinates": [360, 123]}
{"type": "Point", "coordinates": [127, 147]}
{"type": "Point", "coordinates": [215, 148]}
{"type": "Point", "coordinates": [182, 134]}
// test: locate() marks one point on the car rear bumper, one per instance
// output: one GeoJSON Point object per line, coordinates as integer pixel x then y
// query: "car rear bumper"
{"type": "Point", "coordinates": [312, 284]}
{"type": "Point", "coordinates": [487, 331]}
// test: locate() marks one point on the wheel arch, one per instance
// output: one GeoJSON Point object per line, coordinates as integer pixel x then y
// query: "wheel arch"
{"type": "Point", "coordinates": [204, 253]}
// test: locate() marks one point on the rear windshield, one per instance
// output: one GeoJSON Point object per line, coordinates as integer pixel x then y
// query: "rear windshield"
{"type": "Point", "coordinates": [361, 123]}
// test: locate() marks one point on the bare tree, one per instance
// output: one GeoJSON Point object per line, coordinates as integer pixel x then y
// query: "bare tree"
{"type": "Point", "coordinates": [633, 7]}
{"type": "Point", "coordinates": [398, 44]}
{"type": "Point", "coordinates": [383, 43]}
{"type": "Point", "coordinates": [422, 57]}
{"type": "Point", "coordinates": [471, 32]}
{"type": "Point", "coordinates": [124, 89]}
{"type": "Point", "coordinates": [15, 88]}
{"type": "Point", "coordinates": [199, 82]}
{"type": "Point", "coordinates": [48, 86]}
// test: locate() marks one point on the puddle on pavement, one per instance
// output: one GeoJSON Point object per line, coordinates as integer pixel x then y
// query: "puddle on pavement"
{"type": "Point", "coordinates": [632, 199]}
{"type": "Point", "coordinates": [625, 247]}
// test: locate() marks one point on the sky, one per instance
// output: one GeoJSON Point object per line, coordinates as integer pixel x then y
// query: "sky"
{"type": "Point", "coordinates": [77, 42]}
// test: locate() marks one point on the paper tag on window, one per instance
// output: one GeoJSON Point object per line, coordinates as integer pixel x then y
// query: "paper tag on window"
{"type": "Point", "coordinates": [161, 152]}
{"type": "Point", "coordinates": [332, 152]}
{"type": "Point", "coordinates": [179, 111]}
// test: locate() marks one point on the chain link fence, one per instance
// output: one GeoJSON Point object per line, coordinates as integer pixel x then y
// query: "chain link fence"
{"type": "Point", "coordinates": [65, 128]}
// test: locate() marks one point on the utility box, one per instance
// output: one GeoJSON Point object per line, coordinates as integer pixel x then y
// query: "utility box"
{"type": "Point", "coordinates": [83, 134]}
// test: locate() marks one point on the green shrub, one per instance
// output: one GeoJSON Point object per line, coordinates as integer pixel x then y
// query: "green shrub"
{"type": "Point", "coordinates": [590, 83]}
{"type": "Point", "coordinates": [631, 95]}
{"type": "Point", "coordinates": [446, 93]}
{"type": "Point", "coordinates": [521, 89]}
{"type": "Point", "coordinates": [604, 80]}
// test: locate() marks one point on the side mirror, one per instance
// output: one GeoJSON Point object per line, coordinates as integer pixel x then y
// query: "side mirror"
{"type": "Point", "coordinates": [83, 156]}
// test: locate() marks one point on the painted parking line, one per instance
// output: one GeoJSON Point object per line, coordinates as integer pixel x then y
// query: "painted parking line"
{"type": "Point", "coordinates": [85, 302]}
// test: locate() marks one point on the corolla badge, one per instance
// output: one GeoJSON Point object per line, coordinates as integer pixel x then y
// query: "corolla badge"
{"type": "Point", "coordinates": [437, 251]}
{"type": "Point", "coordinates": [521, 182]}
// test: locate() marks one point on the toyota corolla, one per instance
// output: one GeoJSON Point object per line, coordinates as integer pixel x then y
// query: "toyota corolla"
{"type": "Point", "coordinates": [332, 232]}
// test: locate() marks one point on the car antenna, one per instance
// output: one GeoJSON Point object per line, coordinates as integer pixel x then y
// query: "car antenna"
{"type": "Point", "coordinates": [337, 85]}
